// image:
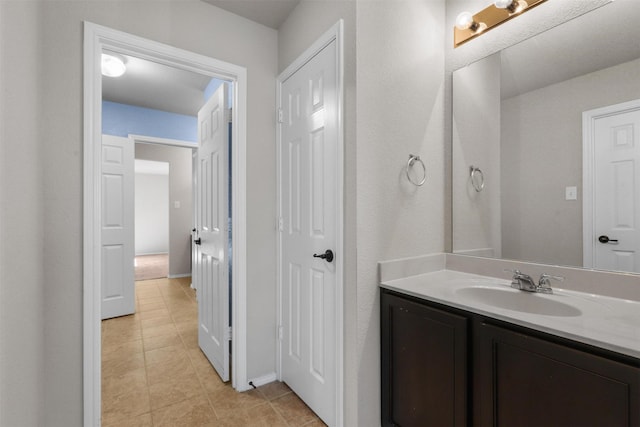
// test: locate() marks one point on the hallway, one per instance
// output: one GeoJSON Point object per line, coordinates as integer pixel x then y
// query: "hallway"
{"type": "Point", "coordinates": [154, 374]}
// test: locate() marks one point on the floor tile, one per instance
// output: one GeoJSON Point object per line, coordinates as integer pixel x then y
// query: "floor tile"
{"type": "Point", "coordinates": [132, 403]}
{"type": "Point", "coordinates": [154, 373]}
{"type": "Point", "coordinates": [172, 354]}
{"type": "Point", "coordinates": [293, 410]}
{"type": "Point", "coordinates": [274, 390]}
{"type": "Point", "coordinates": [143, 420]}
{"type": "Point", "coordinates": [160, 372]}
{"type": "Point", "coordinates": [122, 364]}
{"type": "Point", "coordinates": [155, 342]}
{"type": "Point", "coordinates": [192, 413]}
{"type": "Point", "coordinates": [226, 401]}
{"type": "Point", "coordinates": [174, 390]}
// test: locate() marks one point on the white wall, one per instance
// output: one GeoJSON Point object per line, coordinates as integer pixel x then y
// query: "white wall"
{"type": "Point", "coordinates": [400, 88]}
{"type": "Point", "coordinates": [152, 214]}
{"type": "Point", "coordinates": [22, 218]}
{"type": "Point", "coordinates": [41, 43]}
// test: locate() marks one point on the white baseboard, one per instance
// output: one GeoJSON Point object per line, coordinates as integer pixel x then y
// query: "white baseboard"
{"type": "Point", "coordinates": [152, 253]}
{"type": "Point", "coordinates": [178, 276]}
{"type": "Point", "coordinates": [265, 379]}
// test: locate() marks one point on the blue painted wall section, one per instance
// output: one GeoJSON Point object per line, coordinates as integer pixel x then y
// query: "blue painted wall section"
{"type": "Point", "coordinates": [122, 120]}
{"type": "Point", "coordinates": [213, 85]}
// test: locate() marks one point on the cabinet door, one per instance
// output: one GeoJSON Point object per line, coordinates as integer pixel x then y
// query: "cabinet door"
{"type": "Point", "coordinates": [525, 381]}
{"type": "Point", "coordinates": [424, 365]}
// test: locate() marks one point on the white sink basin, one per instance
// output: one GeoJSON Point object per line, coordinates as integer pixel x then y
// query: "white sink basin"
{"type": "Point", "coordinates": [516, 300]}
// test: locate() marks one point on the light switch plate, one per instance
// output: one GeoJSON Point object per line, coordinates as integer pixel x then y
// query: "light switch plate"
{"type": "Point", "coordinates": [571, 193]}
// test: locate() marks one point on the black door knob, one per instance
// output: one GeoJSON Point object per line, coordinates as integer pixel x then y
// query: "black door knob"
{"type": "Point", "coordinates": [606, 239]}
{"type": "Point", "coordinates": [197, 241]}
{"type": "Point", "coordinates": [327, 256]}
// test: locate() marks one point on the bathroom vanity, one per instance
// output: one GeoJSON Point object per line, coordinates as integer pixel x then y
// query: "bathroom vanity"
{"type": "Point", "coordinates": [461, 349]}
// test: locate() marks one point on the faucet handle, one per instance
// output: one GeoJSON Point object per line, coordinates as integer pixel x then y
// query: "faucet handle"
{"type": "Point", "coordinates": [544, 284]}
{"type": "Point", "coordinates": [516, 272]}
{"type": "Point", "coordinates": [547, 278]}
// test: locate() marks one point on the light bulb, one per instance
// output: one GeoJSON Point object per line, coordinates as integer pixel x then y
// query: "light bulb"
{"type": "Point", "coordinates": [112, 66]}
{"type": "Point", "coordinates": [512, 6]}
{"type": "Point", "coordinates": [465, 21]}
{"type": "Point", "coordinates": [503, 4]}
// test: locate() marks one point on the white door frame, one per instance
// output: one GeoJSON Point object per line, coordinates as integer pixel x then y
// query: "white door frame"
{"type": "Point", "coordinates": [334, 33]}
{"type": "Point", "coordinates": [588, 173]}
{"type": "Point", "coordinates": [97, 38]}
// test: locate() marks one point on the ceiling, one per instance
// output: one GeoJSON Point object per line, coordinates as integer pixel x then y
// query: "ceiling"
{"type": "Point", "coordinates": [152, 85]}
{"type": "Point", "coordinates": [568, 49]}
{"type": "Point", "coordinates": [271, 13]}
{"type": "Point", "coordinates": [157, 86]}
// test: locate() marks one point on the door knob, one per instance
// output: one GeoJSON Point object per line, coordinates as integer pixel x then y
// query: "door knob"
{"type": "Point", "coordinates": [327, 256]}
{"type": "Point", "coordinates": [606, 239]}
{"type": "Point", "coordinates": [197, 241]}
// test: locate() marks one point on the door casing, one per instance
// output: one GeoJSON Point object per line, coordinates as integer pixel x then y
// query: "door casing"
{"type": "Point", "coordinates": [97, 38]}
{"type": "Point", "coordinates": [334, 33]}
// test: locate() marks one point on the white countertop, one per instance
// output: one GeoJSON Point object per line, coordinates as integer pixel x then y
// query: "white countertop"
{"type": "Point", "coordinates": [606, 322]}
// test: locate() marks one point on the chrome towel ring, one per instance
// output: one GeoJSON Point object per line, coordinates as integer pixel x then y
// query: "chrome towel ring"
{"type": "Point", "coordinates": [477, 178]}
{"type": "Point", "coordinates": [413, 159]}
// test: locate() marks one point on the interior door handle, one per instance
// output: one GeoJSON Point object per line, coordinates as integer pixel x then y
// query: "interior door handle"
{"type": "Point", "coordinates": [327, 256]}
{"type": "Point", "coordinates": [606, 239]}
{"type": "Point", "coordinates": [197, 241]}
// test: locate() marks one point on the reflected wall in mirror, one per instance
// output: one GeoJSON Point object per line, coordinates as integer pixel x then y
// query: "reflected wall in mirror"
{"type": "Point", "coordinates": [518, 116]}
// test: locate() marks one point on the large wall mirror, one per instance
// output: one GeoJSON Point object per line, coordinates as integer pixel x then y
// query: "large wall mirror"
{"type": "Point", "coordinates": [546, 146]}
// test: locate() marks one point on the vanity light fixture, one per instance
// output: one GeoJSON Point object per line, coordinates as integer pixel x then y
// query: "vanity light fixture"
{"type": "Point", "coordinates": [112, 66]}
{"type": "Point", "coordinates": [470, 26]}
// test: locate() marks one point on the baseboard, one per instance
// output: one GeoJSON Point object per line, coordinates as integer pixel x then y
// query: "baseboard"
{"type": "Point", "coordinates": [265, 379]}
{"type": "Point", "coordinates": [178, 276]}
{"type": "Point", "coordinates": [153, 253]}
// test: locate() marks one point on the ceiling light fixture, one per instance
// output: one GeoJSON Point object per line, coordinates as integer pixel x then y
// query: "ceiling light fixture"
{"type": "Point", "coordinates": [470, 26]}
{"type": "Point", "coordinates": [112, 66]}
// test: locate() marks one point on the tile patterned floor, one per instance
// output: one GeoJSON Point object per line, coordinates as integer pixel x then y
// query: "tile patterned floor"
{"type": "Point", "coordinates": [154, 374]}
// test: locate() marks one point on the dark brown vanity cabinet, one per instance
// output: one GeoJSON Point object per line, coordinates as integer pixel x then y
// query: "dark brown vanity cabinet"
{"type": "Point", "coordinates": [444, 367]}
{"type": "Point", "coordinates": [424, 360]}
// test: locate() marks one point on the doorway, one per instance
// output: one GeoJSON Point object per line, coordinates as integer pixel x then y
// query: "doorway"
{"type": "Point", "coordinates": [310, 240]}
{"type": "Point", "coordinates": [97, 39]}
{"type": "Point", "coordinates": [611, 200]}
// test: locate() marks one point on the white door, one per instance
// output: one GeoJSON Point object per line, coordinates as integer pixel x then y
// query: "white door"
{"type": "Point", "coordinates": [212, 270]}
{"type": "Point", "coordinates": [616, 197]}
{"type": "Point", "coordinates": [308, 217]}
{"type": "Point", "coordinates": [117, 227]}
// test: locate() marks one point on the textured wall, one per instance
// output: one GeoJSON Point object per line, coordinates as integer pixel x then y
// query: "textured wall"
{"type": "Point", "coordinates": [400, 87]}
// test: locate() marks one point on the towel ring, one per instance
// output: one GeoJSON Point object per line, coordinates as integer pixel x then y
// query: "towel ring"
{"type": "Point", "coordinates": [412, 160]}
{"type": "Point", "coordinates": [473, 173]}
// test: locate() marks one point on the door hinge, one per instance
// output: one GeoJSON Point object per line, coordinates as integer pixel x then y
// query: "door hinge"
{"type": "Point", "coordinates": [228, 334]}
{"type": "Point", "coordinates": [280, 224]}
{"type": "Point", "coordinates": [280, 115]}
{"type": "Point", "coordinates": [280, 333]}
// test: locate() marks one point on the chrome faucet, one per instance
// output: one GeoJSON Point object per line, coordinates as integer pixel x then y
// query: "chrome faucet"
{"type": "Point", "coordinates": [524, 282]}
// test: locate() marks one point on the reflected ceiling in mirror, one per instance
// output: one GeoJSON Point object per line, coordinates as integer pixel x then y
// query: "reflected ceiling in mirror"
{"type": "Point", "coordinates": [517, 116]}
